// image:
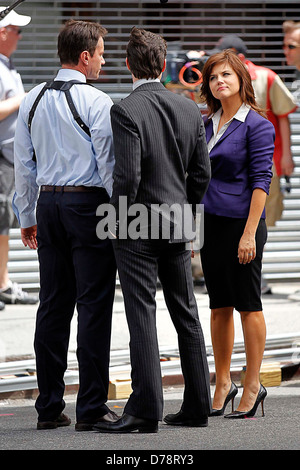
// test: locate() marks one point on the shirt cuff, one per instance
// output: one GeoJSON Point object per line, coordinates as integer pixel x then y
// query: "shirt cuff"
{"type": "Point", "coordinates": [264, 186]}
{"type": "Point", "coordinates": [27, 220]}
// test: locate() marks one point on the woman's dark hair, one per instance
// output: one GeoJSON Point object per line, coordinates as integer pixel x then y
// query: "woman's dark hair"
{"type": "Point", "coordinates": [76, 37]}
{"type": "Point", "coordinates": [146, 53]}
{"type": "Point", "coordinates": [246, 88]}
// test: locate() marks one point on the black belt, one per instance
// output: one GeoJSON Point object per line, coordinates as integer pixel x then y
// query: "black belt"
{"type": "Point", "coordinates": [72, 189]}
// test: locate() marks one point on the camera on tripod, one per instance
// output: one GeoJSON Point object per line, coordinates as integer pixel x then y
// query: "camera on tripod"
{"type": "Point", "coordinates": [182, 68]}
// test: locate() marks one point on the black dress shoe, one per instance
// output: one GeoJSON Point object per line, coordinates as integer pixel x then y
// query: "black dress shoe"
{"type": "Point", "coordinates": [109, 417]}
{"type": "Point", "coordinates": [62, 420]}
{"type": "Point", "coordinates": [182, 419]}
{"type": "Point", "coordinates": [127, 423]}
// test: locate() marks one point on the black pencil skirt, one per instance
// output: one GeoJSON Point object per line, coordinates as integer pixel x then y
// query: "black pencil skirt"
{"type": "Point", "coordinates": [229, 283]}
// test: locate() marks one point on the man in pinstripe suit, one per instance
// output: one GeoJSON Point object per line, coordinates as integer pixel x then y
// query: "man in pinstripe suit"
{"type": "Point", "coordinates": [161, 158]}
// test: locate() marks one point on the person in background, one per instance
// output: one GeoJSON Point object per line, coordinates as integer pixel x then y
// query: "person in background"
{"type": "Point", "coordinates": [272, 95]}
{"type": "Point", "coordinates": [291, 49]}
{"type": "Point", "coordinates": [11, 95]}
{"type": "Point", "coordinates": [241, 144]}
{"type": "Point", "coordinates": [291, 43]}
{"type": "Point", "coordinates": [69, 158]}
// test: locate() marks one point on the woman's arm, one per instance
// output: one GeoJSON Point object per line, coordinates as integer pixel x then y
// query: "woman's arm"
{"type": "Point", "coordinates": [247, 245]}
{"type": "Point", "coordinates": [260, 151]}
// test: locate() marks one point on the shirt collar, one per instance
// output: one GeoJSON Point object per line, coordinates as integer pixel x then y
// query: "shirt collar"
{"type": "Point", "coordinates": [242, 112]}
{"type": "Point", "coordinates": [70, 74]}
{"type": "Point", "coordinates": [144, 80]}
{"type": "Point", "coordinates": [240, 115]}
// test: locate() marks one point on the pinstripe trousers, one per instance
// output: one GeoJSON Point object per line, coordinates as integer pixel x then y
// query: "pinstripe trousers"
{"type": "Point", "coordinates": [140, 262]}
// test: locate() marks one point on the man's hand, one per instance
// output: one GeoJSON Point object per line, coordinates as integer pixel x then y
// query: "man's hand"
{"type": "Point", "coordinates": [28, 236]}
{"type": "Point", "coordinates": [287, 165]}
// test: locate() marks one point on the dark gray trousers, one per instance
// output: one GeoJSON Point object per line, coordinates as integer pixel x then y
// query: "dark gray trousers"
{"type": "Point", "coordinates": [140, 263]}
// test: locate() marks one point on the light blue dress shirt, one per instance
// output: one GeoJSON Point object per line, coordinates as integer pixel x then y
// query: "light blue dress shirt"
{"type": "Point", "coordinates": [65, 154]}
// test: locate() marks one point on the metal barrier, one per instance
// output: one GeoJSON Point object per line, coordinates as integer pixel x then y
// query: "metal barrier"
{"type": "Point", "coordinates": [21, 375]}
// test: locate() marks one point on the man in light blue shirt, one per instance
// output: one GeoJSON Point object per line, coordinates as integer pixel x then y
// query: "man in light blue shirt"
{"type": "Point", "coordinates": [64, 161]}
{"type": "Point", "coordinates": [58, 144]}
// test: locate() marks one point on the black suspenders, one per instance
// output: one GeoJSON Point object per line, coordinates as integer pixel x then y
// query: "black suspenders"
{"type": "Point", "coordinates": [65, 87]}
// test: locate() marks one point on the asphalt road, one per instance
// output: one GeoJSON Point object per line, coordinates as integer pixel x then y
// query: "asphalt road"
{"type": "Point", "coordinates": [278, 430]}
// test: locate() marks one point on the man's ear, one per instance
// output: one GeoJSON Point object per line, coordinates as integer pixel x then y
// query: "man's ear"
{"type": "Point", "coordinates": [84, 56]}
{"type": "Point", "coordinates": [127, 65]}
{"type": "Point", "coordinates": [164, 67]}
{"type": "Point", "coordinates": [242, 57]}
{"type": "Point", "coordinates": [3, 33]}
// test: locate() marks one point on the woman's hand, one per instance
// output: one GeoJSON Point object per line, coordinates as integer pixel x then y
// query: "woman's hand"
{"type": "Point", "coordinates": [247, 245]}
{"type": "Point", "coordinates": [247, 248]}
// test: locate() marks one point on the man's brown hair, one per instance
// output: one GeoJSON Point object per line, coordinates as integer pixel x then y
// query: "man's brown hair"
{"type": "Point", "coordinates": [146, 53]}
{"type": "Point", "coordinates": [76, 37]}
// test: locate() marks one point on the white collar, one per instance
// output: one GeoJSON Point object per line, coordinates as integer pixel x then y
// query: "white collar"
{"type": "Point", "coordinates": [144, 80]}
{"type": "Point", "coordinates": [70, 74]}
{"type": "Point", "coordinates": [240, 115]}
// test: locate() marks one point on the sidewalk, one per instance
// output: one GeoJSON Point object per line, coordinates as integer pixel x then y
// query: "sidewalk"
{"type": "Point", "coordinates": [17, 322]}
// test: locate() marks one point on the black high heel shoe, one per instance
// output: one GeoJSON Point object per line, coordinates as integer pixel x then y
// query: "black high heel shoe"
{"type": "Point", "coordinates": [248, 414]}
{"type": "Point", "coordinates": [230, 396]}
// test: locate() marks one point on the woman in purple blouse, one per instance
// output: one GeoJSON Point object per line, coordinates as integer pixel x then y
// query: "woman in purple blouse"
{"type": "Point", "coordinates": [241, 144]}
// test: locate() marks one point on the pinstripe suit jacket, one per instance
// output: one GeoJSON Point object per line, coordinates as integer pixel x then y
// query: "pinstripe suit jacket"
{"type": "Point", "coordinates": [160, 149]}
